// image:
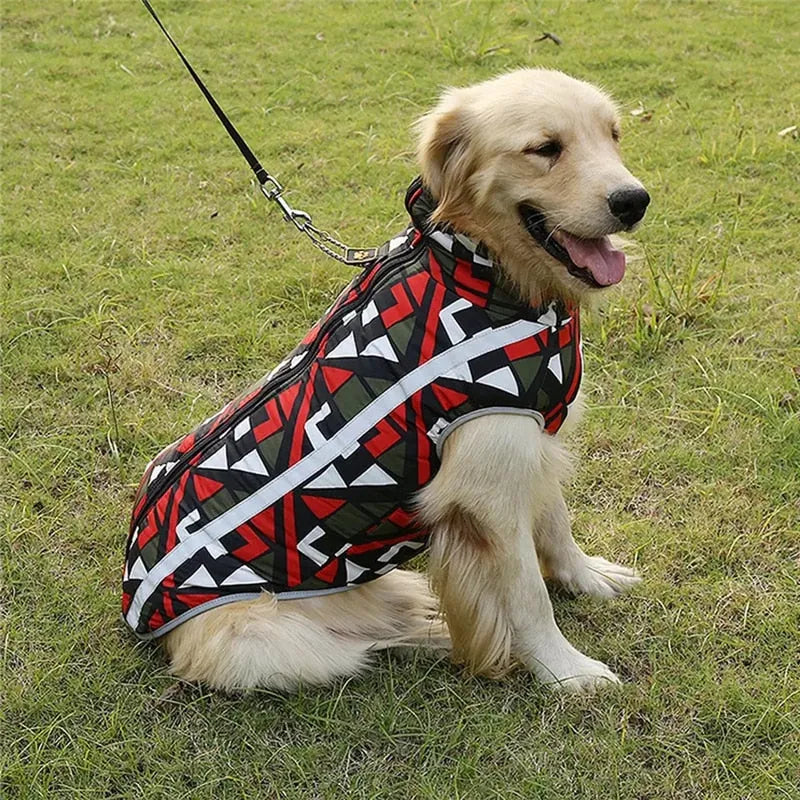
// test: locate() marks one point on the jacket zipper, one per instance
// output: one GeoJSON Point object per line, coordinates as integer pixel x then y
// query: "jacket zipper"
{"type": "Point", "coordinates": [393, 263]}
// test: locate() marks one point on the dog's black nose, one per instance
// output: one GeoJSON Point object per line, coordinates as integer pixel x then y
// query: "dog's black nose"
{"type": "Point", "coordinates": [628, 205]}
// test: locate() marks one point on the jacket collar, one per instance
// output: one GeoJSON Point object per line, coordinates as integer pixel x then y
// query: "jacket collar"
{"type": "Point", "coordinates": [420, 204]}
{"type": "Point", "coordinates": [468, 264]}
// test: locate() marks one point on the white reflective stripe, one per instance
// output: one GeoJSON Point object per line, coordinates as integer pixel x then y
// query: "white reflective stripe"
{"type": "Point", "coordinates": [308, 466]}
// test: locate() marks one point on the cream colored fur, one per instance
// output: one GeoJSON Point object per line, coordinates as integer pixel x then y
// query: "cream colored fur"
{"type": "Point", "coordinates": [265, 642]}
{"type": "Point", "coordinates": [496, 510]}
{"type": "Point", "coordinates": [492, 591]}
{"type": "Point", "coordinates": [472, 154]}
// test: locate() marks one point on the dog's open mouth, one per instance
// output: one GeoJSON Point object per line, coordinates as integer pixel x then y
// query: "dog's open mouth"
{"type": "Point", "coordinates": [593, 261]}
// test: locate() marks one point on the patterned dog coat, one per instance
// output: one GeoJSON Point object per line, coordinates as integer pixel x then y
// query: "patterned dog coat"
{"type": "Point", "coordinates": [306, 484]}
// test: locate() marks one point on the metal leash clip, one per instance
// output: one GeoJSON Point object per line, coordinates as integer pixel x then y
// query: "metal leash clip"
{"type": "Point", "coordinates": [272, 190]}
{"type": "Point", "coordinates": [353, 256]}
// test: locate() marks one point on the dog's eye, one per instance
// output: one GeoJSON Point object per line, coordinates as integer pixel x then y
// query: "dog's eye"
{"type": "Point", "coordinates": [615, 134]}
{"type": "Point", "coordinates": [551, 149]}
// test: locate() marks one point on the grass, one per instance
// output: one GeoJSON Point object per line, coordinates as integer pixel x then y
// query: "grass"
{"type": "Point", "coordinates": [146, 282]}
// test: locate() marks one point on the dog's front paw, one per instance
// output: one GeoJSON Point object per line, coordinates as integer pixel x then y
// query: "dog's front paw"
{"type": "Point", "coordinates": [569, 670]}
{"type": "Point", "coordinates": [586, 677]}
{"type": "Point", "coordinates": [598, 577]}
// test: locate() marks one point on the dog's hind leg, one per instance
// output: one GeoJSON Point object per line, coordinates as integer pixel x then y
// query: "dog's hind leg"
{"type": "Point", "coordinates": [482, 505]}
{"type": "Point", "coordinates": [564, 561]}
{"type": "Point", "coordinates": [281, 644]}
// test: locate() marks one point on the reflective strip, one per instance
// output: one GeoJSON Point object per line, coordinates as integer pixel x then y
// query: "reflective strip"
{"type": "Point", "coordinates": [235, 598]}
{"type": "Point", "coordinates": [442, 435]}
{"type": "Point", "coordinates": [303, 470]}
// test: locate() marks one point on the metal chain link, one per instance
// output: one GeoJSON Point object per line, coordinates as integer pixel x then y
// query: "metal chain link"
{"type": "Point", "coordinates": [272, 189]}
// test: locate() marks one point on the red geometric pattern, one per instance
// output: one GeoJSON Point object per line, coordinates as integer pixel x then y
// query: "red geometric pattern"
{"type": "Point", "coordinates": [306, 484]}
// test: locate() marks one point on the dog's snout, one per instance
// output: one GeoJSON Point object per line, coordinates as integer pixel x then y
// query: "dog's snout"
{"type": "Point", "coordinates": [628, 205]}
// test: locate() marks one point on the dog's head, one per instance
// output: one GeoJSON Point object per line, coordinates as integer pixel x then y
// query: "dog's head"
{"type": "Point", "coordinates": [529, 163]}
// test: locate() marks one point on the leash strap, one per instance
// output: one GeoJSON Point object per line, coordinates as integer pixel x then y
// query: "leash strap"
{"type": "Point", "coordinates": [269, 185]}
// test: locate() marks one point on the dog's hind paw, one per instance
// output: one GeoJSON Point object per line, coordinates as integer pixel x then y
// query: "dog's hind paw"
{"type": "Point", "coordinates": [598, 577]}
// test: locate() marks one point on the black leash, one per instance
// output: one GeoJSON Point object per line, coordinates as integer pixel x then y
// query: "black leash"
{"type": "Point", "coordinates": [269, 185]}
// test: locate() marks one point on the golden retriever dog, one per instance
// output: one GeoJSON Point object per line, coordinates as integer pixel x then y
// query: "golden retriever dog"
{"type": "Point", "coordinates": [529, 165]}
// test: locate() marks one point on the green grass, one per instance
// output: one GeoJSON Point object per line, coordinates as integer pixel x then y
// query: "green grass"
{"type": "Point", "coordinates": [146, 282]}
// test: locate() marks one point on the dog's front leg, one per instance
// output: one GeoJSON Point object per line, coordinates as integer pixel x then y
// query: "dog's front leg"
{"type": "Point", "coordinates": [483, 558]}
{"type": "Point", "coordinates": [564, 561]}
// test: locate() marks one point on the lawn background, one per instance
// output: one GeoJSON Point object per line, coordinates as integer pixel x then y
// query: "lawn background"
{"type": "Point", "coordinates": [146, 282]}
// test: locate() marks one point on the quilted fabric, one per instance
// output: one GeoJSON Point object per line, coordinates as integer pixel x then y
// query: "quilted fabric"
{"type": "Point", "coordinates": [305, 485]}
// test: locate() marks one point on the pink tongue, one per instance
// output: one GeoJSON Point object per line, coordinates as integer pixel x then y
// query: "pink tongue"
{"type": "Point", "coordinates": [606, 264]}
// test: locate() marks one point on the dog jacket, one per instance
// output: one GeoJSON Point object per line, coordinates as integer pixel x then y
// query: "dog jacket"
{"type": "Point", "coordinates": [306, 484]}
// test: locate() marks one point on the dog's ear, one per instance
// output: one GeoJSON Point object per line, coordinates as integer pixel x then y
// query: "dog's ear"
{"type": "Point", "coordinates": [446, 160]}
